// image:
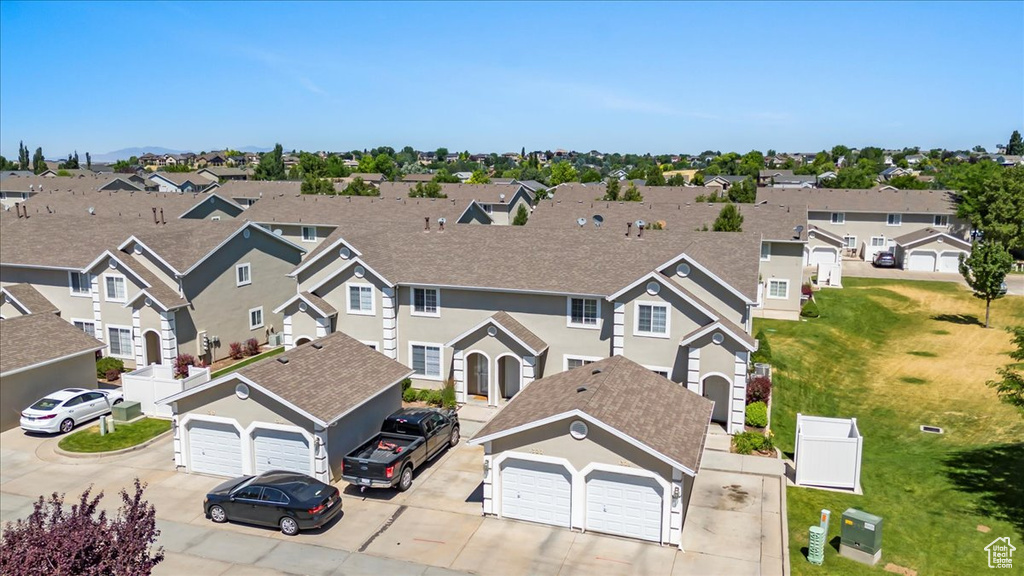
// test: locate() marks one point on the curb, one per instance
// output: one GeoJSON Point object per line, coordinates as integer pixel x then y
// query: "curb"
{"type": "Point", "coordinates": [58, 450]}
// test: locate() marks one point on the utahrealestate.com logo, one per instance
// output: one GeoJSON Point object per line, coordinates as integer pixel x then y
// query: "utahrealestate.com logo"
{"type": "Point", "coordinates": [1000, 553]}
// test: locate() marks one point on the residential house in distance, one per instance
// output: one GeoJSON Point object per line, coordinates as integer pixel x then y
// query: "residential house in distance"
{"type": "Point", "coordinates": [722, 181]}
{"type": "Point", "coordinates": [222, 174]}
{"type": "Point", "coordinates": [180, 181]}
{"type": "Point", "coordinates": [500, 202]}
{"type": "Point", "coordinates": [860, 223]}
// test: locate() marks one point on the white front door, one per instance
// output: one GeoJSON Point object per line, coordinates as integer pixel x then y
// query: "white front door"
{"type": "Point", "coordinates": [624, 505]}
{"type": "Point", "coordinates": [280, 450]}
{"type": "Point", "coordinates": [949, 262]}
{"type": "Point", "coordinates": [214, 448]}
{"type": "Point", "coordinates": [536, 491]}
{"type": "Point", "coordinates": [921, 262]}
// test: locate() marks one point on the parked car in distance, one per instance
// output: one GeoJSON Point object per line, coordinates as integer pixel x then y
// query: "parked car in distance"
{"type": "Point", "coordinates": [408, 439]}
{"type": "Point", "coordinates": [884, 260]}
{"type": "Point", "coordinates": [287, 500]}
{"type": "Point", "coordinates": [1003, 289]}
{"type": "Point", "coordinates": [62, 410]}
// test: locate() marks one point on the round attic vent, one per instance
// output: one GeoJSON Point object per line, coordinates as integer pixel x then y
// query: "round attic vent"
{"type": "Point", "coordinates": [492, 331]}
{"type": "Point", "coordinates": [245, 233]}
{"type": "Point", "coordinates": [345, 253]}
{"type": "Point", "coordinates": [718, 338]}
{"type": "Point", "coordinates": [359, 271]}
{"type": "Point", "coordinates": [137, 249]}
{"type": "Point", "coordinates": [653, 288]}
{"type": "Point", "coordinates": [578, 429]}
{"type": "Point", "coordinates": [302, 306]}
{"type": "Point", "coordinates": [149, 302]}
{"type": "Point", "coordinates": [242, 391]}
{"type": "Point", "coordinates": [211, 199]}
{"type": "Point", "coordinates": [683, 269]}
{"type": "Point", "coordinates": [113, 263]}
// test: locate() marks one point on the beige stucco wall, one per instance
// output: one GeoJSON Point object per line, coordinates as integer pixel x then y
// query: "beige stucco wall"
{"type": "Point", "coordinates": [19, 391]}
{"type": "Point", "coordinates": [360, 425]}
{"type": "Point", "coordinates": [785, 262]}
{"type": "Point", "coordinates": [865, 225]}
{"type": "Point", "coordinates": [369, 328]}
{"type": "Point", "coordinates": [293, 232]}
{"type": "Point", "coordinates": [9, 310]}
{"type": "Point", "coordinates": [653, 351]}
{"type": "Point", "coordinates": [710, 292]}
{"type": "Point", "coordinates": [258, 407]}
{"type": "Point", "coordinates": [55, 286]}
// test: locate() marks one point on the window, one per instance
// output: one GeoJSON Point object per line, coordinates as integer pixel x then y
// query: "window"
{"type": "Point", "coordinates": [120, 341]}
{"type": "Point", "coordinates": [425, 302]}
{"type": "Point", "coordinates": [651, 319]}
{"type": "Point", "coordinates": [309, 233]}
{"type": "Point", "coordinates": [256, 318]}
{"type": "Point", "coordinates": [941, 220]}
{"type": "Point", "coordinates": [243, 274]}
{"type": "Point", "coordinates": [371, 344]}
{"type": "Point", "coordinates": [877, 241]}
{"type": "Point", "coordinates": [850, 242]}
{"type": "Point", "coordinates": [249, 493]}
{"type": "Point", "coordinates": [778, 289]}
{"type": "Point", "coordinates": [663, 372]}
{"type": "Point", "coordinates": [583, 312]}
{"type": "Point", "coordinates": [894, 219]}
{"type": "Point", "coordinates": [81, 284]}
{"type": "Point", "coordinates": [577, 361]}
{"type": "Point", "coordinates": [273, 495]}
{"type": "Point", "coordinates": [426, 360]}
{"type": "Point", "coordinates": [360, 299]}
{"type": "Point", "coordinates": [85, 326]}
{"type": "Point", "coordinates": [839, 218]}
{"type": "Point", "coordinates": [766, 251]}
{"type": "Point", "coordinates": [115, 288]}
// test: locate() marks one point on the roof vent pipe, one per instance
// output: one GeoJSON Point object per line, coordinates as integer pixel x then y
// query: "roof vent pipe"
{"type": "Point", "coordinates": [162, 221]}
{"type": "Point", "coordinates": [155, 221]}
{"type": "Point", "coordinates": [629, 226]}
{"type": "Point", "coordinates": [426, 224]}
{"type": "Point", "coordinates": [639, 231]}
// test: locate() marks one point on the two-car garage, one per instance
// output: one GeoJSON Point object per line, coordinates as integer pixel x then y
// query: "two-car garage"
{"type": "Point", "coordinates": [223, 448]}
{"type": "Point", "coordinates": [931, 251]}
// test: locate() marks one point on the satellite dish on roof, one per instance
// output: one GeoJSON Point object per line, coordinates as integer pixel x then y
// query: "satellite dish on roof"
{"type": "Point", "coordinates": [442, 221]}
{"type": "Point", "coordinates": [92, 210]}
{"type": "Point", "coordinates": [278, 232]}
{"type": "Point", "coordinates": [598, 220]}
{"type": "Point", "coordinates": [501, 197]}
{"type": "Point", "coordinates": [581, 221]}
{"type": "Point", "coordinates": [640, 223]}
{"type": "Point", "coordinates": [798, 231]}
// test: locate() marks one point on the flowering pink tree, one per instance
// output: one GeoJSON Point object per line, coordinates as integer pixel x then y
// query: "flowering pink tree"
{"type": "Point", "coordinates": [83, 540]}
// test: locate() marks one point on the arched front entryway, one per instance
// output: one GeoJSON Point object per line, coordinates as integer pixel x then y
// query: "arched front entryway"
{"type": "Point", "coordinates": [153, 355]}
{"type": "Point", "coordinates": [477, 375]}
{"type": "Point", "coordinates": [302, 340]}
{"type": "Point", "coordinates": [717, 389]}
{"type": "Point", "coordinates": [510, 376]}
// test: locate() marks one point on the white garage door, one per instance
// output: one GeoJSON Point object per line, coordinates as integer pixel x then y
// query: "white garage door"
{"type": "Point", "coordinates": [624, 505]}
{"type": "Point", "coordinates": [921, 262]}
{"type": "Point", "coordinates": [536, 491]}
{"type": "Point", "coordinates": [280, 450]}
{"type": "Point", "coordinates": [214, 448]}
{"type": "Point", "coordinates": [822, 255]}
{"type": "Point", "coordinates": [949, 262]}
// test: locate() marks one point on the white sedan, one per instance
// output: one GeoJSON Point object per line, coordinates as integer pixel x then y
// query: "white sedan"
{"type": "Point", "coordinates": [62, 410]}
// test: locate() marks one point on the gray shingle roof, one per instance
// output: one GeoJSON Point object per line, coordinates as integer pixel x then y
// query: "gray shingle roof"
{"type": "Point", "coordinates": [30, 340]}
{"type": "Point", "coordinates": [329, 381]}
{"type": "Point", "coordinates": [490, 193]}
{"type": "Point", "coordinates": [30, 298]}
{"type": "Point", "coordinates": [519, 331]}
{"type": "Point", "coordinates": [871, 200]}
{"type": "Point", "coordinates": [654, 411]}
{"type": "Point", "coordinates": [919, 235]}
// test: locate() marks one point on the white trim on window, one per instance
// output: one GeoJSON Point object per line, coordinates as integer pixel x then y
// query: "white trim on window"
{"type": "Point", "coordinates": [247, 269]}
{"type": "Point", "coordinates": [362, 287]}
{"type": "Point", "coordinates": [665, 371]}
{"type": "Point", "coordinates": [118, 279]}
{"type": "Point", "coordinates": [259, 319]}
{"type": "Point", "coordinates": [595, 325]}
{"type": "Point", "coordinates": [894, 219]}
{"type": "Point", "coordinates": [426, 363]}
{"type": "Point", "coordinates": [112, 345]}
{"type": "Point", "coordinates": [83, 323]}
{"type": "Point", "coordinates": [425, 312]}
{"type": "Point", "coordinates": [311, 236]}
{"type": "Point", "coordinates": [84, 281]}
{"type": "Point", "coordinates": [584, 360]}
{"type": "Point", "coordinates": [372, 344]}
{"type": "Point", "coordinates": [940, 220]}
{"type": "Point", "coordinates": [766, 251]}
{"type": "Point", "coordinates": [880, 241]}
{"type": "Point", "coordinates": [772, 282]}
{"type": "Point", "coordinates": [651, 333]}
{"type": "Point", "coordinates": [847, 242]}
{"type": "Point", "coordinates": [838, 218]}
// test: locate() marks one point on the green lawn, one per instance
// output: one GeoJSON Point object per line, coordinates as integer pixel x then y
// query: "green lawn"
{"type": "Point", "coordinates": [123, 436]}
{"type": "Point", "coordinates": [896, 355]}
{"type": "Point", "coordinates": [246, 362]}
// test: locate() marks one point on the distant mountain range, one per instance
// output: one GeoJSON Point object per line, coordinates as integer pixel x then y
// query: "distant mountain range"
{"type": "Point", "coordinates": [126, 153]}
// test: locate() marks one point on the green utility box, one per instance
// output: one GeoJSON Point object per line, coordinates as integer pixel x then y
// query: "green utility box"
{"type": "Point", "coordinates": [860, 536]}
{"type": "Point", "coordinates": [126, 411]}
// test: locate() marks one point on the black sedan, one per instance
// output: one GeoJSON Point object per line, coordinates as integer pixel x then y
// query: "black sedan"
{"type": "Point", "coordinates": [287, 500]}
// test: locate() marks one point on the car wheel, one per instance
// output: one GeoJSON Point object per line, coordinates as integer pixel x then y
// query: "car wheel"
{"type": "Point", "coordinates": [405, 480]}
{"type": "Point", "coordinates": [289, 527]}
{"type": "Point", "coordinates": [118, 401]}
{"type": "Point", "coordinates": [67, 425]}
{"type": "Point", "coordinates": [455, 437]}
{"type": "Point", "coordinates": [218, 515]}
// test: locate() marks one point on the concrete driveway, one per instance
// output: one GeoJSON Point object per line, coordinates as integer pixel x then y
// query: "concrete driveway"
{"type": "Point", "coordinates": [434, 528]}
{"type": "Point", "coordinates": [861, 269]}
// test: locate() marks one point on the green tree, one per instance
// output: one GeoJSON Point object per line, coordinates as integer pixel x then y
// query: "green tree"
{"type": "Point", "coordinates": [441, 153]}
{"type": "Point", "coordinates": [23, 156]}
{"type": "Point", "coordinates": [38, 161]}
{"type": "Point", "coordinates": [729, 220]}
{"type": "Point", "coordinates": [367, 164]}
{"type": "Point", "coordinates": [992, 200]}
{"type": "Point", "coordinates": [271, 166]}
{"type": "Point", "coordinates": [590, 175]}
{"type": "Point", "coordinates": [88, 161]}
{"type": "Point", "coordinates": [1016, 145]}
{"type": "Point", "coordinates": [6, 164]}
{"type": "Point", "coordinates": [697, 180]}
{"type": "Point", "coordinates": [654, 176]}
{"type": "Point", "coordinates": [359, 188]}
{"type": "Point", "coordinates": [676, 180]}
{"type": "Point", "coordinates": [985, 270]}
{"type": "Point", "coordinates": [612, 189]}
{"type": "Point", "coordinates": [744, 192]}
{"type": "Point", "coordinates": [479, 177]}
{"type": "Point", "coordinates": [315, 185]}
{"type": "Point", "coordinates": [907, 182]}
{"type": "Point", "coordinates": [853, 177]}
{"type": "Point", "coordinates": [562, 172]}
{"type": "Point", "coordinates": [632, 194]}
{"type": "Point", "coordinates": [445, 177]}
{"type": "Point", "coordinates": [430, 189]}
{"type": "Point", "coordinates": [385, 164]}
{"type": "Point", "coordinates": [521, 216]}
{"type": "Point", "coordinates": [1010, 388]}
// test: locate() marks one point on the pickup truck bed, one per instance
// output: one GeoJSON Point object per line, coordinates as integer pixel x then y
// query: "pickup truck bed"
{"type": "Point", "coordinates": [384, 448]}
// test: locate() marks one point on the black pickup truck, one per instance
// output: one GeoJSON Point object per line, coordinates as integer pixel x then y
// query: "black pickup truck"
{"type": "Point", "coordinates": [408, 439]}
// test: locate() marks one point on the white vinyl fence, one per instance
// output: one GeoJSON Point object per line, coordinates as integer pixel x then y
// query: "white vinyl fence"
{"type": "Point", "coordinates": [156, 382]}
{"type": "Point", "coordinates": [828, 452]}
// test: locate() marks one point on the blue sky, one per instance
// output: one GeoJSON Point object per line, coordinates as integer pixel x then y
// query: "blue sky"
{"type": "Point", "coordinates": [638, 77]}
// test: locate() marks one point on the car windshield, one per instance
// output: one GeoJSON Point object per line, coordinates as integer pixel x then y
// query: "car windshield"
{"type": "Point", "coordinates": [46, 404]}
{"type": "Point", "coordinates": [306, 490]}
